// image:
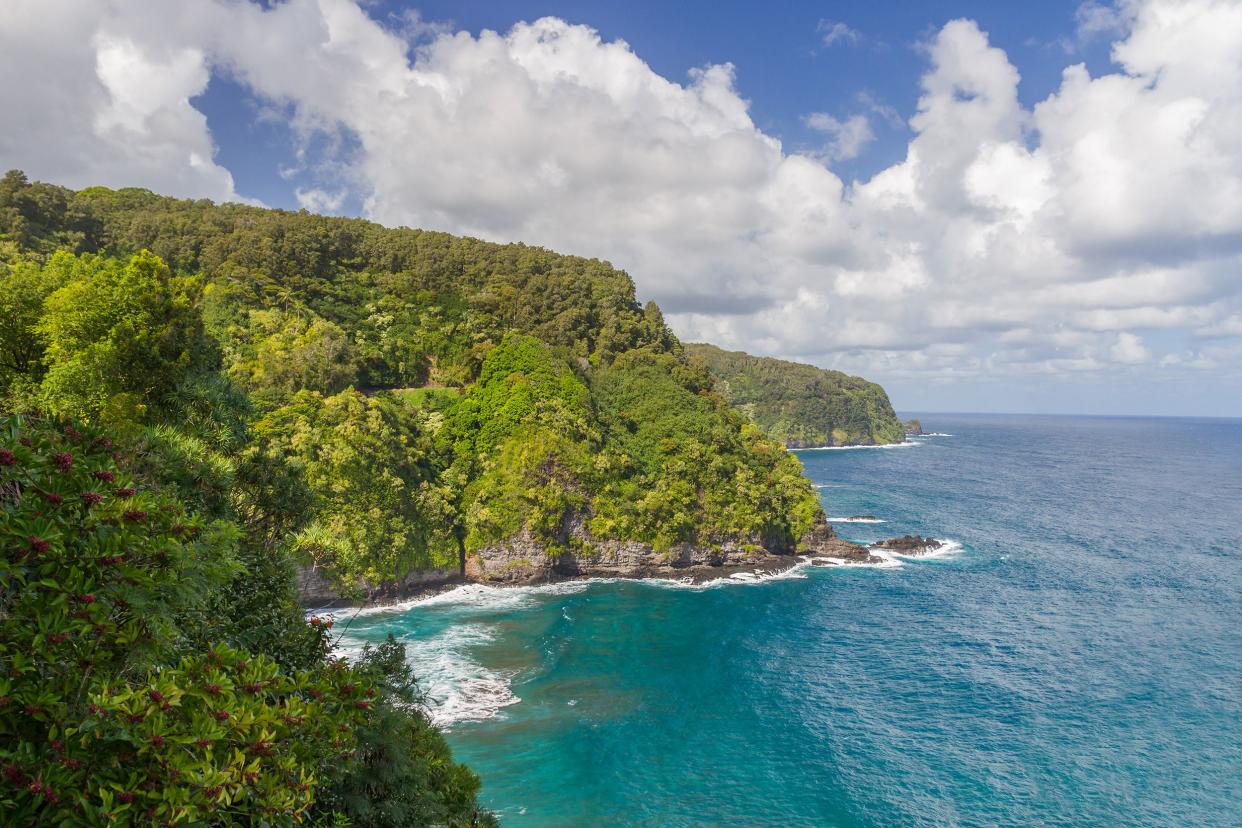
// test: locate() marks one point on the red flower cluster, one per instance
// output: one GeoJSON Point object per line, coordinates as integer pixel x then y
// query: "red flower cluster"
{"type": "Point", "coordinates": [64, 461]}
{"type": "Point", "coordinates": [104, 475]}
{"type": "Point", "coordinates": [38, 788]}
{"type": "Point", "coordinates": [135, 516]}
{"type": "Point", "coordinates": [91, 498]}
{"type": "Point", "coordinates": [53, 498]}
{"type": "Point", "coordinates": [7, 458]}
{"type": "Point", "coordinates": [125, 492]}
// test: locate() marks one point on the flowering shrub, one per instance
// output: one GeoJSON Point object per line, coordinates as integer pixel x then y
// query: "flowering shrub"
{"type": "Point", "coordinates": [100, 721]}
{"type": "Point", "coordinates": [218, 734]}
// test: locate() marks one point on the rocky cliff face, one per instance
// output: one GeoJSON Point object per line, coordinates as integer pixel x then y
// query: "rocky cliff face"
{"type": "Point", "coordinates": [525, 559]}
{"type": "Point", "coordinates": [316, 590]}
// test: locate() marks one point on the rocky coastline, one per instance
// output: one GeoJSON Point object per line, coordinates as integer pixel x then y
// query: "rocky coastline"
{"type": "Point", "coordinates": [525, 560]}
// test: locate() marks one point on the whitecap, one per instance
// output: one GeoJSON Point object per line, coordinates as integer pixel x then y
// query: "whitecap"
{"type": "Point", "coordinates": [854, 520]}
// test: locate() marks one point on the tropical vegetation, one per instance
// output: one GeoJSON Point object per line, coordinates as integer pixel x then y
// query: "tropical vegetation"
{"type": "Point", "coordinates": [801, 405]}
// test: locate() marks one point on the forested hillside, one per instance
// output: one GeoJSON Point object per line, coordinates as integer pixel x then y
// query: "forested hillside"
{"type": "Point", "coordinates": [156, 667]}
{"type": "Point", "coordinates": [419, 396]}
{"type": "Point", "coordinates": [799, 404]}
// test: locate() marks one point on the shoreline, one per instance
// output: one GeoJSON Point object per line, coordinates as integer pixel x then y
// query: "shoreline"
{"type": "Point", "coordinates": [693, 575]}
{"type": "Point", "coordinates": [907, 443]}
{"type": "Point", "coordinates": [881, 554]}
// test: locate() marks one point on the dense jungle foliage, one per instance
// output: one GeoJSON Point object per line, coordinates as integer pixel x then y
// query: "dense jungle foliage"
{"type": "Point", "coordinates": [199, 399]}
{"type": "Point", "coordinates": [418, 395]}
{"type": "Point", "coordinates": [802, 405]}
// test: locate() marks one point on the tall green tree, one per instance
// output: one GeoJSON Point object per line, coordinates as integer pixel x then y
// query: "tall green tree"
{"type": "Point", "coordinates": [24, 286]}
{"type": "Point", "coordinates": [120, 336]}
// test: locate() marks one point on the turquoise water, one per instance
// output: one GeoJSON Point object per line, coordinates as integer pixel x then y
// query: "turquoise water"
{"type": "Point", "coordinates": [1077, 662]}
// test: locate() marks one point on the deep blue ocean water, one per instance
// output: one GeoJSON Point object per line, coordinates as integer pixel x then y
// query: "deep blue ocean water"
{"type": "Point", "coordinates": [1077, 662]}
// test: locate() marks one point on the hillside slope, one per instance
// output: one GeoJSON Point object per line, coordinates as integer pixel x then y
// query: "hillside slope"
{"type": "Point", "coordinates": [801, 405]}
{"type": "Point", "coordinates": [413, 400]}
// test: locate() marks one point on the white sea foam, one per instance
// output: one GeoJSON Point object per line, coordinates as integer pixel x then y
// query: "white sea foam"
{"type": "Point", "coordinates": [948, 549]}
{"type": "Point", "coordinates": [854, 520]}
{"type": "Point", "coordinates": [480, 596]}
{"type": "Point", "coordinates": [458, 687]}
{"type": "Point", "coordinates": [906, 444]}
{"type": "Point", "coordinates": [932, 434]}
{"type": "Point", "coordinates": [885, 562]}
{"type": "Point", "coordinates": [734, 579]}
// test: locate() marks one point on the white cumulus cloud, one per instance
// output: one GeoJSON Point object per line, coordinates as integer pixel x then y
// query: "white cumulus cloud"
{"type": "Point", "coordinates": [1016, 241]}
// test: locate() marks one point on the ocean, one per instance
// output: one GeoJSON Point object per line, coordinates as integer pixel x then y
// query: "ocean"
{"type": "Point", "coordinates": [1075, 658]}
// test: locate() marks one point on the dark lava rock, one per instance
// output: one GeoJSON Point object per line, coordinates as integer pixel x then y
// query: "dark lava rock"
{"type": "Point", "coordinates": [822, 540]}
{"type": "Point", "coordinates": [909, 545]}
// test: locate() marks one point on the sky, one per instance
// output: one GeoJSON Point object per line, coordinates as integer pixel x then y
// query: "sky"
{"type": "Point", "coordinates": [984, 206]}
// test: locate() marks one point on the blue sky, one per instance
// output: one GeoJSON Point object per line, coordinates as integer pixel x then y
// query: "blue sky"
{"type": "Point", "coordinates": [985, 206]}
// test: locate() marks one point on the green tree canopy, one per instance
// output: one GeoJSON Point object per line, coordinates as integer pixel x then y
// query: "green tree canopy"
{"type": "Point", "coordinates": [119, 335]}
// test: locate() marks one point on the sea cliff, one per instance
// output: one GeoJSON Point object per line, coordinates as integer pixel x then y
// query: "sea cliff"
{"type": "Point", "coordinates": [801, 405]}
{"type": "Point", "coordinates": [527, 559]}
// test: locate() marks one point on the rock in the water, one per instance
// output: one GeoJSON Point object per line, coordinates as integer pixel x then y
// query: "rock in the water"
{"type": "Point", "coordinates": [913, 428]}
{"type": "Point", "coordinates": [913, 545]}
{"type": "Point", "coordinates": [823, 540]}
